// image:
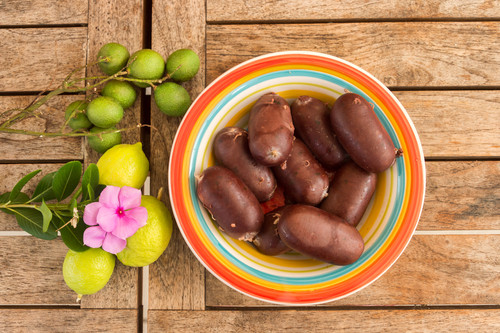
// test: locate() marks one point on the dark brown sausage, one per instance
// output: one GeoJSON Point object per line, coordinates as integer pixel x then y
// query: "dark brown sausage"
{"type": "Point", "coordinates": [319, 234]}
{"type": "Point", "coordinates": [267, 240]}
{"type": "Point", "coordinates": [231, 150]}
{"type": "Point", "coordinates": [311, 118]}
{"type": "Point", "coordinates": [361, 133]}
{"type": "Point", "coordinates": [232, 205]}
{"type": "Point", "coordinates": [350, 193]}
{"type": "Point", "coordinates": [302, 176]}
{"type": "Point", "coordinates": [270, 130]}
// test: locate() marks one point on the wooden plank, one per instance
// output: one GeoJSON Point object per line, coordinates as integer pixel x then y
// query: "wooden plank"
{"type": "Point", "coordinates": [399, 54]}
{"type": "Point", "coordinates": [176, 280]}
{"type": "Point", "coordinates": [445, 120]}
{"type": "Point", "coordinates": [68, 320]}
{"type": "Point", "coordinates": [42, 12]}
{"type": "Point", "coordinates": [15, 147]}
{"type": "Point", "coordinates": [466, 320]}
{"type": "Point", "coordinates": [433, 270]}
{"type": "Point", "coordinates": [321, 10]}
{"type": "Point", "coordinates": [39, 59]}
{"type": "Point", "coordinates": [32, 272]}
{"type": "Point", "coordinates": [121, 22]}
{"type": "Point", "coordinates": [462, 196]}
{"type": "Point", "coordinates": [11, 174]}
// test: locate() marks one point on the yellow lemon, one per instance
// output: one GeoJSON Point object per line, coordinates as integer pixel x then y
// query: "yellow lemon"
{"type": "Point", "coordinates": [89, 271]}
{"type": "Point", "coordinates": [150, 241]}
{"type": "Point", "coordinates": [123, 165]}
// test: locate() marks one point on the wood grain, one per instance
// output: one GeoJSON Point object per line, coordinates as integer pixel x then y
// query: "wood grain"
{"type": "Point", "coordinates": [462, 196]}
{"type": "Point", "coordinates": [121, 22]}
{"type": "Point", "coordinates": [433, 270]}
{"type": "Point", "coordinates": [321, 10]}
{"type": "Point", "coordinates": [176, 280]}
{"type": "Point", "coordinates": [15, 147]}
{"type": "Point", "coordinates": [403, 54]}
{"type": "Point", "coordinates": [68, 320]}
{"type": "Point", "coordinates": [11, 174]}
{"type": "Point", "coordinates": [39, 59]}
{"type": "Point", "coordinates": [32, 272]}
{"type": "Point", "coordinates": [325, 321]}
{"type": "Point", "coordinates": [445, 121]}
{"type": "Point", "coordinates": [42, 12]}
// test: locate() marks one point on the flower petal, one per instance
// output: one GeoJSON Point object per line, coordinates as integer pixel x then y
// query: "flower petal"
{"type": "Point", "coordinates": [140, 214]}
{"type": "Point", "coordinates": [90, 213]}
{"type": "Point", "coordinates": [129, 197]}
{"type": "Point", "coordinates": [93, 236]}
{"type": "Point", "coordinates": [113, 244]}
{"type": "Point", "coordinates": [126, 227]}
{"type": "Point", "coordinates": [109, 197]}
{"type": "Point", "coordinates": [107, 218]}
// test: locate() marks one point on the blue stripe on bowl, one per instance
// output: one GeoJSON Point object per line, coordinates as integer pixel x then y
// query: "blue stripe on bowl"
{"type": "Point", "coordinates": [294, 280]}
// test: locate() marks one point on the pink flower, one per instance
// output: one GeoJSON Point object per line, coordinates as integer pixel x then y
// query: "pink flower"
{"type": "Point", "coordinates": [117, 216]}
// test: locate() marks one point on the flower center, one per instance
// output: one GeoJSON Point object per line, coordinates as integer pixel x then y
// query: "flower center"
{"type": "Point", "coordinates": [120, 211]}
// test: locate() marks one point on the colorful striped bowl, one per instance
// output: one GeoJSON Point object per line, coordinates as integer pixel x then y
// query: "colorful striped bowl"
{"type": "Point", "coordinates": [293, 279]}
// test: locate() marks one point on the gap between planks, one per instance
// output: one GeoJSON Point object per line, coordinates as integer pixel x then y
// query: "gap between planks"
{"type": "Point", "coordinates": [417, 232]}
{"type": "Point", "coordinates": [356, 20]}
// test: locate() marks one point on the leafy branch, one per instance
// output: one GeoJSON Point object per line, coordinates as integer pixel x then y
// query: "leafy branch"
{"type": "Point", "coordinates": [48, 211]}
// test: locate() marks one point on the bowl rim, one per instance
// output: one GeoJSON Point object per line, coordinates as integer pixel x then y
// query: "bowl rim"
{"type": "Point", "coordinates": [377, 82]}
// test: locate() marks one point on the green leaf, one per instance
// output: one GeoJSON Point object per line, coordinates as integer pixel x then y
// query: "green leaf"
{"type": "Point", "coordinates": [66, 179]}
{"type": "Point", "coordinates": [20, 199]}
{"type": "Point", "coordinates": [73, 237]}
{"type": "Point", "coordinates": [31, 221]}
{"type": "Point", "coordinates": [99, 189]}
{"type": "Point", "coordinates": [44, 189]}
{"type": "Point", "coordinates": [46, 215]}
{"type": "Point", "coordinates": [90, 180]}
{"type": "Point", "coordinates": [20, 184]}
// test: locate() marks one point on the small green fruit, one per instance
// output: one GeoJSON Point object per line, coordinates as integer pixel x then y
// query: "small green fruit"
{"type": "Point", "coordinates": [116, 56]}
{"type": "Point", "coordinates": [182, 65]}
{"type": "Point", "coordinates": [146, 64]}
{"type": "Point", "coordinates": [104, 112]}
{"type": "Point", "coordinates": [172, 99]}
{"type": "Point", "coordinates": [121, 91]}
{"type": "Point", "coordinates": [75, 112]}
{"type": "Point", "coordinates": [105, 141]}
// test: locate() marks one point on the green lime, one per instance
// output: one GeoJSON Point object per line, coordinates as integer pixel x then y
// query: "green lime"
{"type": "Point", "coordinates": [88, 272]}
{"type": "Point", "coordinates": [150, 241]}
{"type": "Point", "coordinates": [116, 57]}
{"type": "Point", "coordinates": [121, 91]}
{"type": "Point", "coordinates": [172, 99]}
{"type": "Point", "coordinates": [75, 112]}
{"type": "Point", "coordinates": [104, 112]}
{"type": "Point", "coordinates": [105, 141]}
{"type": "Point", "coordinates": [182, 65]}
{"type": "Point", "coordinates": [123, 165]}
{"type": "Point", "coordinates": [146, 64]}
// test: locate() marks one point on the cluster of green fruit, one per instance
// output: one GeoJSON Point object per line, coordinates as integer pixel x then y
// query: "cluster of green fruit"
{"type": "Point", "coordinates": [143, 68]}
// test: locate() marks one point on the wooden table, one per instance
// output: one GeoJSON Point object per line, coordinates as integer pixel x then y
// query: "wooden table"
{"type": "Point", "coordinates": [441, 58]}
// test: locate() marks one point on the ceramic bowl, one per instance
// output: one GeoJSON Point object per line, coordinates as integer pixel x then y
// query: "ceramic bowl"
{"type": "Point", "coordinates": [293, 279]}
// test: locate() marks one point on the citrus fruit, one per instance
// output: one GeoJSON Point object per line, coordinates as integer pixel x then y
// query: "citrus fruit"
{"type": "Point", "coordinates": [116, 57]}
{"type": "Point", "coordinates": [123, 165]}
{"type": "Point", "coordinates": [182, 65]}
{"type": "Point", "coordinates": [105, 141]}
{"type": "Point", "coordinates": [88, 272]}
{"type": "Point", "coordinates": [121, 91]}
{"type": "Point", "coordinates": [75, 112]}
{"type": "Point", "coordinates": [150, 241]}
{"type": "Point", "coordinates": [104, 112]}
{"type": "Point", "coordinates": [146, 64]}
{"type": "Point", "coordinates": [172, 99]}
